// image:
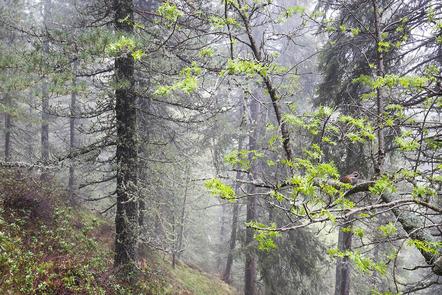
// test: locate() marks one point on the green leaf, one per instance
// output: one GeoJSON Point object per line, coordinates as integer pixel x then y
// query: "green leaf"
{"type": "Point", "coordinates": [170, 12]}
{"type": "Point", "coordinates": [137, 54]}
{"type": "Point", "coordinates": [218, 188]}
{"type": "Point", "coordinates": [382, 185]}
{"type": "Point", "coordinates": [429, 247]}
{"type": "Point", "coordinates": [388, 230]}
{"type": "Point", "coordinates": [265, 238]}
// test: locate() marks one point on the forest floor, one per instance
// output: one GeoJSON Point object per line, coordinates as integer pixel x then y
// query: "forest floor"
{"type": "Point", "coordinates": [48, 247]}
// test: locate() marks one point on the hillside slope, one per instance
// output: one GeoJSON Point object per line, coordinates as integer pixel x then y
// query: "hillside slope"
{"type": "Point", "coordinates": [47, 247]}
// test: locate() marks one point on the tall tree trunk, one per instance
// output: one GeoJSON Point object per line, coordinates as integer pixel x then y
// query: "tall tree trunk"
{"type": "Point", "coordinates": [250, 264]}
{"type": "Point", "coordinates": [143, 104]}
{"type": "Point", "coordinates": [29, 130]}
{"type": "Point", "coordinates": [234, 230]}
{"type": "Point", "coordinates": [72, 186]}
{"type": "Point", "coordinates": [126, 219]}
{"type": "Point", "coordinates": [343, 266]}
{"type": "Point", "coordinates": [8, 127]}
{"type": "Point", "coordinates": [222, 220]}
{"type": "Point", "coordinates": [174, 250]}
{"type": "Point", "coordinates": [342, 284]}
{"type": "Point", "coordinates": [183, 215]}
{"type": "Point", "coordinates": [222, 240]}
{"type": "Point", "coordinates": [45, 95]}
{"type": "Point", "coordinates": [380, 97]}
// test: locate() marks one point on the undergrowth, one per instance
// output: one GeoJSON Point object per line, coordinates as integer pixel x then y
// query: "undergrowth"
{"type": "Point", "coordinates": [47, 247]}
{"type": "Point", "coordinates": [50, 247]}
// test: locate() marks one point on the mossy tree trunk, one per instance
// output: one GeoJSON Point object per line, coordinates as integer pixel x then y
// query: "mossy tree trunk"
{"type": "Point", "coordinates": [126, 219]}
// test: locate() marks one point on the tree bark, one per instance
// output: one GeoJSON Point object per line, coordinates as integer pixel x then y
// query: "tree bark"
{"type": "Point", "coordinates": [29, 131]}
{"type": "Point", "coordinates": [250, 264]}
{"type": "Point", "coordinates": [380, 97]}
{"type": "Point", "coordinates": [126, 219]}
{"type": "Point", "coordinates": [414, 227]}
{"type": "Point", "coordinates": [72, 186]}
{"type": "Point", "coordinates": [342, 284]}
{"type": "Point", "coordinates": [45, 96]}
{"type": "Point", "coordinates": [8, 127]}
{"type": "Point", "coordinates": [183, 216]}
{"type": "Point", "coordinates": [234, 230]}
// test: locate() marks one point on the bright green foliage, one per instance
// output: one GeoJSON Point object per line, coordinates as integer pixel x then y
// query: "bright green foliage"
{"type": "Point", "coordinates": [243, 66]}
{"type": "Point", "coordinates": [207, 52]}
{"type": "Point", "coordinates": [274, 139]}
{"type": "Point", "coordinates": [384, 46]}
{"type": "Point", "coordinates": [407, 174]}
{"type": "Point", "coordinates": [382, 186]}
{"type": "Point", "coordinates": [292, 120]}
{"type": "Point", "coordinates": [301, 185]}
{"type": "Point", "coordinates": [218, 188]}
{"type": "Point", "coordinates": [429, 247]}
{"type": "Point", "coordinates": [265, 238]}
{"type": "Point", "coordinates": [344, 202]}
{"type": "Point", "coordinates": [289, 12]}
{"type": "Point", "coordinates": [242, 158]}
{"type": "Point", "coordinates": [250, 68]}
{"type": "Point", "coordinates": [137, 54]}
{"type": "Point", "coordinates": [363, 264]}
{"type": "Point", "coordinates": [406, 143]}
{"type": "Point", "coordinates": [355, 32]}
{"type": "Point", "coordinates": [188, 84]}
{"type": "Point", "coordinates": [433, 144]}
{"type": "Point", "coordinates": [170, 12]}
{"type": "Point", "coordinates": [314, 153]}
{"type": "Point", "coordinates": [220, 22]}
{"type": "Point", "coordinates": [388, 229]}
{"type": "Point", "coordinates": [278, 196]}
{"type": "Point", "coordinates": [123, 44]}
{"type": "Point", "coordinates": [423, 192]}
{"type": "Point", "coordinates": [390, 81]}
{"type": "Point", "coordinates": [363, 130]}
{"type": "Point", "coordinates": [357, 231]}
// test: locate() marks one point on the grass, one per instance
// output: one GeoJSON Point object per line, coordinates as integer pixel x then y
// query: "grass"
{"type": "Point", "coordinates": [200, 283]}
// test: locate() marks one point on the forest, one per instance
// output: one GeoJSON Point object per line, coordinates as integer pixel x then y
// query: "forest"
{"type": "Point", "coordinates": [221, 147]}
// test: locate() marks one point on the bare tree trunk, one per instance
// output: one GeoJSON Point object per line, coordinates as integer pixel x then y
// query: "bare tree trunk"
{"type": "Point", "coordinates": [250, 264]}
{"type": "Point", "coordinates": [72, 186]}
{"type": "Point", "coordinates": [8, 127]}
{"type": "Point", "coordinates": [126, 219]}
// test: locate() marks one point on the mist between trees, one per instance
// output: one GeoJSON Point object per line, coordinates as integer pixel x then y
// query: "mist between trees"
{"type": "Point", "coordinates": [284, 147]}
